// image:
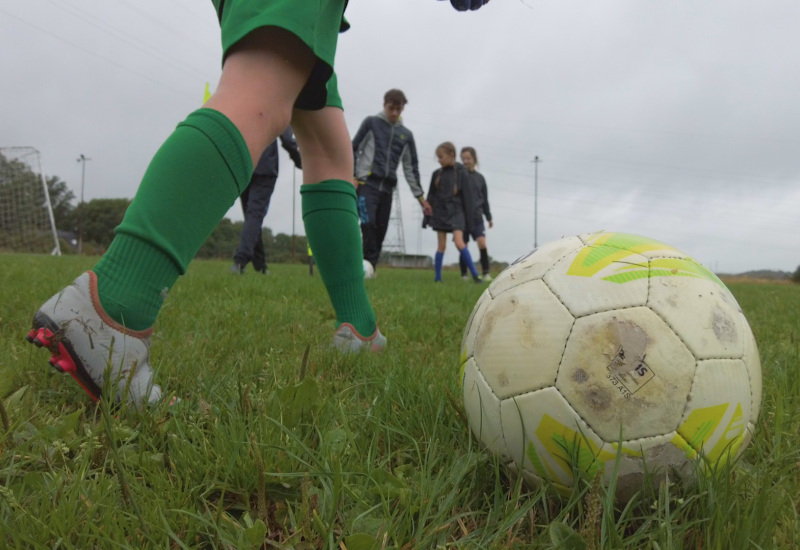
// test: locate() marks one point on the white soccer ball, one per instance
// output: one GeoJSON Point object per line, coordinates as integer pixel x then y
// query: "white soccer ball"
{"type": "Point", "coordinates": [604, 339]}
{"type": "Point", "coordinates": [369, 271]}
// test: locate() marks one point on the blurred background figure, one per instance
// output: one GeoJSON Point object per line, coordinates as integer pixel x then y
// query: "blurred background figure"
{"type": "Point", "coordinates": [380, 145]}
{"type": "Point", "coordinates": [450, 196]}
{"type": "Point", "coordinates": [255, 203]}
{"type": "Point", "coordinates": [480, 209]}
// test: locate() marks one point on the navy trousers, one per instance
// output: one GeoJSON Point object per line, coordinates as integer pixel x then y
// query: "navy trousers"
{"type": "Point", "coordinates": [374, 209]}
{"type": "Point", "coordinates": [255, 203]}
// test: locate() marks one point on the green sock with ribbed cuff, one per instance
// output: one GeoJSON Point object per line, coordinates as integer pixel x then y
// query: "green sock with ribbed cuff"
{"type": "Point", "coordinates": [332, 228]}
{"type": "Point", "coordinates": [192, 181]}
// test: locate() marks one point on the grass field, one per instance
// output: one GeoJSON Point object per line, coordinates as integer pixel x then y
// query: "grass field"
{"type": "Point", "coordinates": [279, 442]}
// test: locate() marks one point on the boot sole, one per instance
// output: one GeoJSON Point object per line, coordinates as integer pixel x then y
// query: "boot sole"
{"type": "Point", "coordinates": [46, 333]}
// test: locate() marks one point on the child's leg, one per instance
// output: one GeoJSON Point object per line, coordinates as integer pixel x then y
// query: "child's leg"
{"type": "Point", "coordinates": [461, 263]}
{"type": "Point", "coordinates": [458, 239]}
{"type": "Point", "coordinates": [330, 213]}
{"type": "Point", "coordinates": [262, 197]}
{"type": "Point", "coordinates": [441, 245]}
{"type": "Point", "coordinates": [199, 172]}
{"type": "Point", "coordinates": [190, 184]}
{"type": "Point", "coordinates": [441, 241]}
{"type": "Point", "coordinates": [244, 252]}
{"type": "Point", "coordinates": [368, 209]}
{"type": "Point", "coordinates": [255, 200]}
{"type": "Point", "coordinates": [261, 79]}
{"type": "Point", "coordinates": [484, 254]}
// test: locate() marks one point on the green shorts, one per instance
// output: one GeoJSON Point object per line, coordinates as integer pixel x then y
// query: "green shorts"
{"type": "Point", "coordinates": [316, 22]}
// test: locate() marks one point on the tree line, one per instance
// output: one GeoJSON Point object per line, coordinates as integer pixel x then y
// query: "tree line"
{"type": "Point", "coordinates": [99, 217]}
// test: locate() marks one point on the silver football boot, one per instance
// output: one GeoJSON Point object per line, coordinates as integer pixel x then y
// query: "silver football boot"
{"type": "Point", "coordinates": [347, 340]}
{"type": "Point", "coordinates": [93, 348]}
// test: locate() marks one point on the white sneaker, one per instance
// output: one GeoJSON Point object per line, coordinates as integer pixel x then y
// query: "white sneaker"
{"type": "Point", "coordinates": [487, 277]}
{"type": "Point", "coordinates": [88, 345]}
{"type": "Point", "coordinates": [369, 270]}
{"type": "Point", "coordinates": [465, 277]}
{"type": "Point", "coordinates": [347, 340]}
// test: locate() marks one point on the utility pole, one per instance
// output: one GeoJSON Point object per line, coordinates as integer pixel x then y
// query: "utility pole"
{"type": "Point", "coordinates": [536, 162]}
{"type": "Point", "coordinates": [82, 159]}
{"type": "Point", "coordinates": [294, 207]}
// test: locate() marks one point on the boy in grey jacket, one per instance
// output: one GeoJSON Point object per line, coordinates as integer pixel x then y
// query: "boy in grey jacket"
{"type": "Point", "coordinates": [380, 145]}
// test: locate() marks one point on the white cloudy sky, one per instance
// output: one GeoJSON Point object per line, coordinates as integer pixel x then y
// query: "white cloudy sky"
{"type": "Point", "coordinates": [675, 119]}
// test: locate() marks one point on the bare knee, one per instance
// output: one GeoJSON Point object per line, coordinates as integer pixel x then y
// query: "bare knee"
{"type": "Point", "coordinates": [441, 242]}
{"type": "Point", "coordinates": [262, 76]}
{"type": "Point", "coordinates": [325, 143]}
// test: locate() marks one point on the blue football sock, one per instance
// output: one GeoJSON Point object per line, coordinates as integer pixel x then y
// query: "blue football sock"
{"type": "Point", "coordinates": [467, 257]}
{"type": "Point", "coordinates": [438, 265]}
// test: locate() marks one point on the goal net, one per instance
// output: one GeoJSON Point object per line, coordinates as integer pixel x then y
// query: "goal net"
{"type": "Point", "coordinates": [26, 215]}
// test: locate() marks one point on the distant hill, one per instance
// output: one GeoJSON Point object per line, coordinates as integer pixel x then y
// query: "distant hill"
{"type": "Point", "coordinates": [761, 274]}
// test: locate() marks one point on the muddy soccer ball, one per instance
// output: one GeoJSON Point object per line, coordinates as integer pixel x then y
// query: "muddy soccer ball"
{"type": "Point", "coordinates": [609, 347]}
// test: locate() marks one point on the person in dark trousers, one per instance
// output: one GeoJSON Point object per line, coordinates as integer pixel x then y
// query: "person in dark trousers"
{"type": "Point", "coordinates": [450, 196]}
{"type": "Point", "coordinates": [481, 209]}
{"type": "Point", "coordinates": [380, 145]}
{"type": "Point", "coordinates": [255, 203]}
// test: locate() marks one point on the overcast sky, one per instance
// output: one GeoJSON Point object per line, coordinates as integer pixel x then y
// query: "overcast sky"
{"type": "Point", "coordinates": [674, 119]}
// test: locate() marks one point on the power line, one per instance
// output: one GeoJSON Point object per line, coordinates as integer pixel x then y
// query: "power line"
{"type": "Point", "coordinates": [82, 159]}
{"type": "Point", "coordinates": [759, 211]}
{"type": "Point", "coordinates": [641, 186]}
{"type": "Point", "coordinates": [524, 152]}
{"type": "Point", "coordinates": [761, 219]}
{"type": "Point", "coordinates": [95, 54]}
{"type": "Point", "coordinates": [160, 22]}
{"type": "Point", "coordinates": [605, 130]}
{"type": "Point", "coordinates": [125, 37]}
{"type": "Point", "coordinates": [205, 20]}
{"type": "Point", "coordinates": [609, 223]}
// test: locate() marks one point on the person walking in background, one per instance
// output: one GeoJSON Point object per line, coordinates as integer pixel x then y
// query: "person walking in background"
{"type": "Point", "coordinates": [255, 204]}
{"type": "Point", "coordinates": [480, 209]}
{"type": "Point", "coordinates": [448, 194]}
{"type": "Point", "coordinates": [380, 145]}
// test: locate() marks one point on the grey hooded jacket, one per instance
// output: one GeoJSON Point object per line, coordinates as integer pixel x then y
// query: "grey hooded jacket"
{"type": "Point", "coordinates": [379, 147]}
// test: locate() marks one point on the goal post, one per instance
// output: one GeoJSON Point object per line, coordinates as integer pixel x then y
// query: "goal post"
{"type": "Point", "coordinates": [27, 223]}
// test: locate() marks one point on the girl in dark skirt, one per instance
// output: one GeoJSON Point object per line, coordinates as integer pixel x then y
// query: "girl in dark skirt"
{"type": "Point", "coordinates": [447, 195]}
{"type": "Point", "coordinates": [477, 230]}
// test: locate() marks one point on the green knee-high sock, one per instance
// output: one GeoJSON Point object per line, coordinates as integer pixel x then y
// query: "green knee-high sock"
{"type": "Point", "coordinates": [332, 229]}
{"type": "Point", "coordinates": [190, 184]}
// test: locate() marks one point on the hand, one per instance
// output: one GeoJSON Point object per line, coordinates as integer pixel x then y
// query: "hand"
{"type": "Point", "coordinates": [464, 5]}
{"type": "Point", "coordinates": [490, 224]}
{"type": "Point", "coordinates": [426, 207]}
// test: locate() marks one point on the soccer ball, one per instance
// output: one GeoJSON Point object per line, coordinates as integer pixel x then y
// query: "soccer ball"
{"type": "Point", "coordinates": [369, 271]}
{"type": "Point", "coordinates": [605, 347]}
